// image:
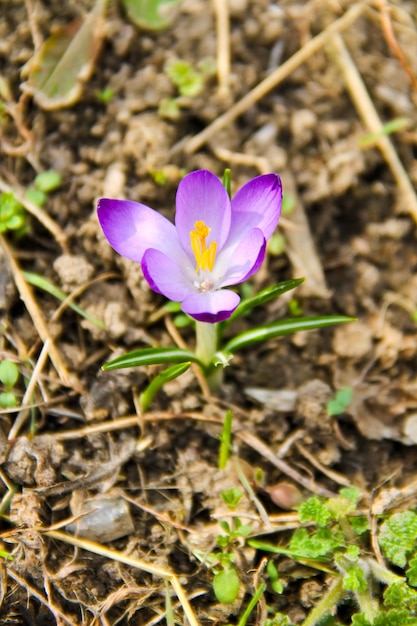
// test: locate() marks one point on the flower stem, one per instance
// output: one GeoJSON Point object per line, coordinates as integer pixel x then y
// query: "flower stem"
{"type": "Point", "coordinates": [206, 342]}
{"type": "Point", "coordinates": [206, 347]}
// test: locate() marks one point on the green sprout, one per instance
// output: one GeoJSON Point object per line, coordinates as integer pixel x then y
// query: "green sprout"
{"type": "Point", "coordinates": [44, 183]}
{"type": "Point", "coordinates": [9, 375]}
{"type": "Point", "coordinates": [12, 214]}
{"type": "Point", "coordinates": [340, 402]}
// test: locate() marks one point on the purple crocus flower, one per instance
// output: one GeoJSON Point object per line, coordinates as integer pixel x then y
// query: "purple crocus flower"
{"type": "Point", "coordinates": [214, 243]}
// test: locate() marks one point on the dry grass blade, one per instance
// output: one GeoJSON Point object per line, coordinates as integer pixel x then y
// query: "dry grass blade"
{"type": "Point", "coordinates": [272, 80]}
{"type": "Point", "coordinates": [221, 10]}
{"type": "Point", "coordinates": [369, 115]}
{"type": "Point", "coordinates": [42, 217]}
{"type": "Point", "coordinates": [115, 555]}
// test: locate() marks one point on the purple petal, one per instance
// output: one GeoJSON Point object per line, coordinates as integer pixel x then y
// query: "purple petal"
{"type": "Point", "coordinates": [212, 306]}
{"type": "Point", "coordinates": [202, 197]}
{"type": "Point", "coordinates": [257, 205]}
{"type": "Point", "coordinates": [131, 228]}
{"type": "Point", "coordinates": [246, 258]}
{"type": "Point", "coordinates": [165, 276]}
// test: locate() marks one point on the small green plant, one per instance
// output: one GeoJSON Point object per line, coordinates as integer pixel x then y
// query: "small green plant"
{"type": "Point", "coordinates": [188, 80]}
{"type": "Point", "coordinates": [338, 544]}
{"type": "Point", "coordinates": [44, 183]}
{"type": "Point", "coordinates": [222, 560]}
{"type": "Point", "coordinates": [12, 215]}
{"type": "Point", "coordinates": [340, 402]}
{"type": "Point", "coordinates": [9, 375]}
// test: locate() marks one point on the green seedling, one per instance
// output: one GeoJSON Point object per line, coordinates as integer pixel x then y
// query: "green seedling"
{"type": "Point", "coordinates": [105, 95]}
{"type": "Point", "coordinates": [340, 402]}
{"type": "Point", "coordinates": [188, 80]}
{"type": "Point", "coordinates": [9, 375]}
{"type": "Point", "coordinates": [13, 216]}
{"type": "Point", "coordinates": [222, 560]}
{"type": "Point", "coordinates": [44, 183]}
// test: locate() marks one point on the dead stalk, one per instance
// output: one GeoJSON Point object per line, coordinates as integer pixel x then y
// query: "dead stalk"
{"type": "Point", "coordinates": [369, 115]}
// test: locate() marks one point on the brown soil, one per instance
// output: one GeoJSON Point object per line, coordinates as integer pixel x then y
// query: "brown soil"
{"type": "Point", "coordinates": [351, 232]}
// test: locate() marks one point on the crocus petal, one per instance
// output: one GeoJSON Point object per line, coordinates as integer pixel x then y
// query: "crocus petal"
{"type": "Point", "coordinates": [257, 205]}
{"type": "Point", "coordinates": [213, 306]}
{"type": "Point", "coordinates": [165, 276]}
{"type": "Point", "coordinates": [202, 197]}
{"type": "Point", "coordinates": [131, 228]}
{"type": "Point", "coordinates": [245, 259]}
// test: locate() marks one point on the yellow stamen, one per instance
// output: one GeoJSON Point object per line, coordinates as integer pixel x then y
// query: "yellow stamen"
{"type": "Point", "coordinates": [204, 256]}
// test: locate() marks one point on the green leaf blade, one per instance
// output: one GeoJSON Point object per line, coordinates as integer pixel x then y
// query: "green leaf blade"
{"type": "Point", "coordinates": [264, 296]}
{"type": "Point", "coordinates": [283, 327]}
{"type": "Point", "coordinates": [151, 356]}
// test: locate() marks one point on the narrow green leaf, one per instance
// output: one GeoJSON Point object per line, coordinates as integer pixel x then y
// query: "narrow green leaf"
{"type": "Point", "coordinates": [270, 293]}
{"type": "Point", "coordinates": [151, 356]}
{"type": "Point", "coordinates": [147, 396]}
{"type": "Point", "coordinates": [283, 327]}
{"type": "Point", "coordinates": [39, 281]}
{"type": "Point", "coordinates": [226, 180]}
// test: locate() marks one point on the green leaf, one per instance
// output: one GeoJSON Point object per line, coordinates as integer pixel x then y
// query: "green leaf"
{"type": "Point", "coordinates": [36, 196]}
{"type": "Point", "coordinates": [188, 81]}
{"type": "Point", "coordinates": [283, 327]}
{"type": "Point", "coordinates": [8, 400]}
{"type": "Point", "coordinates": [395, 618]}
{"type": "Point", "coordinates": [66, 60]}
{"type": "Point", "coordinates": [48, 181]}
{"type": "Point", "coordinates": [151, 356]}
{"type": "Point", "coordinates": [355, 579]}
{"type": "Point", "coordinates": [412, 571]}
{"type": "Point", "coordinates": [226, 585]}
{"type": "Point", "coordinates": [398, 537]}
{"type": "Point", "coordinates": [226, 180]}
{"type": "Point", "coordinates": [147, 396]}
{"type": "Point", "coordinates": [359, 523]}
{"type": "Point", "coordinates": [360, 619]}
{"type": "Point", "coordinates": [400, 595]}
{"type": "Point", "coordinates": [151, 14]}
{"type": "Point", "coordinates": [264, 296]}
{"type": "Point", "coordinates": [231, 497]}
{"type": "Point", "coordinates": [340, 402]}
{"type": "Point", "coordinates": [42, 283]}
{"type": "Point", "coordinates": [352, 494]}
{"type": "Point", "coordinates": [314, 546]}
{"type": "Point", "coordinates": [12, 213]}
{"type": "Point", "coordinates": [9, 373]}
{"type": "Point", "coordinates": [314, 510]}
